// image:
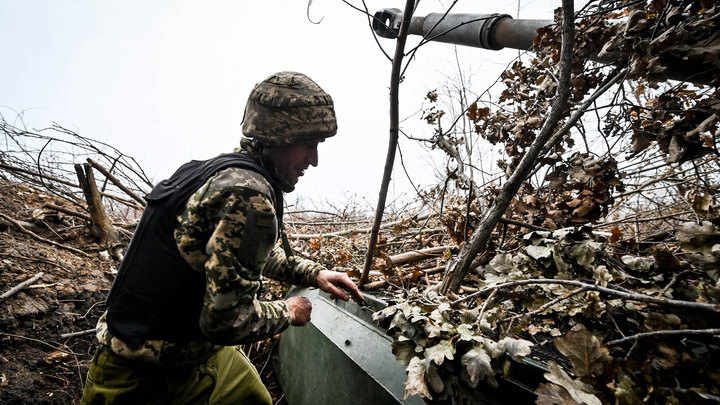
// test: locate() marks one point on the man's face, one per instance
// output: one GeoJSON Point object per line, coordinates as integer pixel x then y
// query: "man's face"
{"type": "Point", "coordinates": [291, 161]}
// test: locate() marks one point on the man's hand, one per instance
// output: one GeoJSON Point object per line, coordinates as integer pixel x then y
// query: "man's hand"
{"type": "Point", "coordinates": [334, 282]}
{"type": "Point", "coordinates": [300, 309]}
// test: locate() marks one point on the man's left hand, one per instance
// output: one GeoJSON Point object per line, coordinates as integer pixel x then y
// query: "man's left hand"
{"type": "Point", "coordinates": [334, 282]}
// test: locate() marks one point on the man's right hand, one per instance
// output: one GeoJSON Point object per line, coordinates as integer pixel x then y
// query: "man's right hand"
{"type": "Point", "coordinates": [300, 308]}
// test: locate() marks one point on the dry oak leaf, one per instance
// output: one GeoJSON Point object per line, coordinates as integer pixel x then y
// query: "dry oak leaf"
{"type": "Point", "coordinates": [415, 384]}
{"type": "Point", "coordinates": [478, 366]}
{"type": "Point", "coordinates": [551, 394]}
{"type": "Point", "coordinates": [579, 391]}
{"type": "Point", "coordinates": [584, 351]}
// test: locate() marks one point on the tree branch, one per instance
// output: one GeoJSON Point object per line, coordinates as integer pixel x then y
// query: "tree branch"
{"type": "Point", "coordinates": [20, 286]}
{"type": "Point", "coordinates": [678, 332]}
{"type": "Point", "coordinates": [394, 134]}
{"type": "Point", "coordinates": [603, 290]}
{"type": "Point", "coordinates": [25, 231]}
{"type": "Point", "coordinates": [459, 267]}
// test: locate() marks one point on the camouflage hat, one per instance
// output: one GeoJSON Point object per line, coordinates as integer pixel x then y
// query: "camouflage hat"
{"type": "Point", "coordinates": [287, 108]}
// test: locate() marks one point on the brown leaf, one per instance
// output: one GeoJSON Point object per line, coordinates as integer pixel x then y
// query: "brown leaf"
{"type": "Point", "coordinates": [58, 356]}
{"type": "Point", "coordinates": [578, 390]}
{"type": "Point", "coordinates": [583, 209]}
{"type": "Point", "coordinates": [641, 141]}
{"type": "Point", "coordinates": [551, 394]}
{"type": "Point", "coordinates": [702, 203]}
{"type": "Point", "coordinates": [556, 178]}
{"type": "Point", "coordinates": [415, 384]}
{"type": "Point", "coordinates": [665, 259]}
{"type": "Point", "coordinates": [531, 200]}
{"type": "Point", "coordinates": [476, 114]}
{"type": "Point", "coordinates": [584, 350]}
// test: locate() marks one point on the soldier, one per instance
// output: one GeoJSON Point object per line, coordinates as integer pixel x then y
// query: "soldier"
{"type": "Point", "coordinates": [185, 295]}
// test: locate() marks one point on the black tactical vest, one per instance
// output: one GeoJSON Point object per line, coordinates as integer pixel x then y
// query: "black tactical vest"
{"type": "Point", "coordinates": [156, 293]}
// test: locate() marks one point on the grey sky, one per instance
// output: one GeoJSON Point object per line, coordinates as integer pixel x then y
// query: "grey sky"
{"type": "Point", "coordinates": [166, 81]}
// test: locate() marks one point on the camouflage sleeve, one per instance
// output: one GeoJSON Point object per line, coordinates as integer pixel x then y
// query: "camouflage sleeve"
{"type": "Point", "coordinates": [304, 274]}
{"type": "Point", "coordinates": [227, 231]}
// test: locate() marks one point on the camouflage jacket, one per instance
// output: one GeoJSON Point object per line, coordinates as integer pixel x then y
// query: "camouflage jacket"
{"type": "Point", "coordinates": [228, 231]}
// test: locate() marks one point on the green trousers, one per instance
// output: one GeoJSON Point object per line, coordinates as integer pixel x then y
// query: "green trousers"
{"type": "Point", "coordinates": [228, 377]}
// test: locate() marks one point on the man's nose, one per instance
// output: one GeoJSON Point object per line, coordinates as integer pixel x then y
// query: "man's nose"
{"type": "Point", "coordinates": [312, 157]}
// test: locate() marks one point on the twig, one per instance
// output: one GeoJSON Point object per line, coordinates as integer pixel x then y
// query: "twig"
{"type": "Point", "coordinates": [603, 290]}
{"type": "Point", "coordinates": [674, 280]}
{"type": "Point", "coordinates": [664, 333]}
{"type": "Point", "coordinates": [348, 232]}
{"type": "Point", "coordinates": [683, 391]}
{"type": "Point", "coordinates": [37, 341]}
{"type": "Point", "coordinates": [20, 286]}
{"type": "Point", "coordinates": [75, 334]}
{"type": "Point", "coordinates": [28, 225]}
{"type": "Point", "coordinates": [417, 255]}
{"type": "Point", "coordinates": [616, 325]}
{"type": "Point", "coordinates": [37, 259]}
{"type": "Point", "coordinates": [69, 212]}
{"type": "Point", "coordinates": [35, 286]}
{"type": "Point", "coordinates": [637, 218]}
{"type": "Point", "coordinates": [91, 308]}
{"type": "Point", "coordinates": [546, 305]}
{"type": "Point", "coordinates": [25, 231]}
{"type": "Point", "coordinates": [485, 304]}
{"type": "Point", "coordinates": [32, 173]}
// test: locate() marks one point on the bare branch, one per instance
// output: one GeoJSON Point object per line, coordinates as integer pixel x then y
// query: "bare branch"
{"type": "Point", "coordinates": [662, 333]}
{"type": "Point", "coordinates": [20, 286]}
{"type": "Point", "coordinates": [604, 290]}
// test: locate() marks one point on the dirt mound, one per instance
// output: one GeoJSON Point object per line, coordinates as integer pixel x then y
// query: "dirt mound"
{"type": "Point", "coordinates": [40, 365]}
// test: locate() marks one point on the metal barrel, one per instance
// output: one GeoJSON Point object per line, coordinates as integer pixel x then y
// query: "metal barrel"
{"type": "Point", "coordinates": [498, 31]}
{"type": "Point", "coordinates": [487, 31]}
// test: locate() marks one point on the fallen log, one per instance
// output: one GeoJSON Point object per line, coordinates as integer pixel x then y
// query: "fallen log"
{"type": "Point", "coordinates": [384, 283]}
{"type": "Point", "coordinates": [417, 255]}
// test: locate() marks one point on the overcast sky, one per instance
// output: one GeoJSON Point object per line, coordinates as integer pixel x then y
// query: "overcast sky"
{"type": "Point", "coordinates": [166, 81]}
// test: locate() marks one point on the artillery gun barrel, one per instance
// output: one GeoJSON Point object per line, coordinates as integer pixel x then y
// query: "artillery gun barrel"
{"type": "Point", "coordinates": [498, 31]}
{"type": "Point", "coordinates": [487, 31]}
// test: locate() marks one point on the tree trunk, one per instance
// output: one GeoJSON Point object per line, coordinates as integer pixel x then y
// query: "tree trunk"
{"type": "Point", "coordinates": [100, 225]}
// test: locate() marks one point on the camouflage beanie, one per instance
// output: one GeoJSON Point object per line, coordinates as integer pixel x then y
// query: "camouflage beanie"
{"type": "Point", "coordinates": [287, 108]}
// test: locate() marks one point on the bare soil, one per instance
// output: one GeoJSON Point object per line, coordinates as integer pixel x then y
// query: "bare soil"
{"type": "Point", "coordinates": [38, 365]}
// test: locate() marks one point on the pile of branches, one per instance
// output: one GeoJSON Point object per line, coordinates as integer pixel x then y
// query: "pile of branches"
{"type": "Point", "coordinates": [597, 238]}
{"type": "Point", "coordinates": [54, 158]}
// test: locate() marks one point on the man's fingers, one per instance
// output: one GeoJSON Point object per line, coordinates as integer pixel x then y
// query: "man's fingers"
{"type": "Point", "coordinates": [338, 293]}
{"type": "Point", "coordinates": [334, 283]}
